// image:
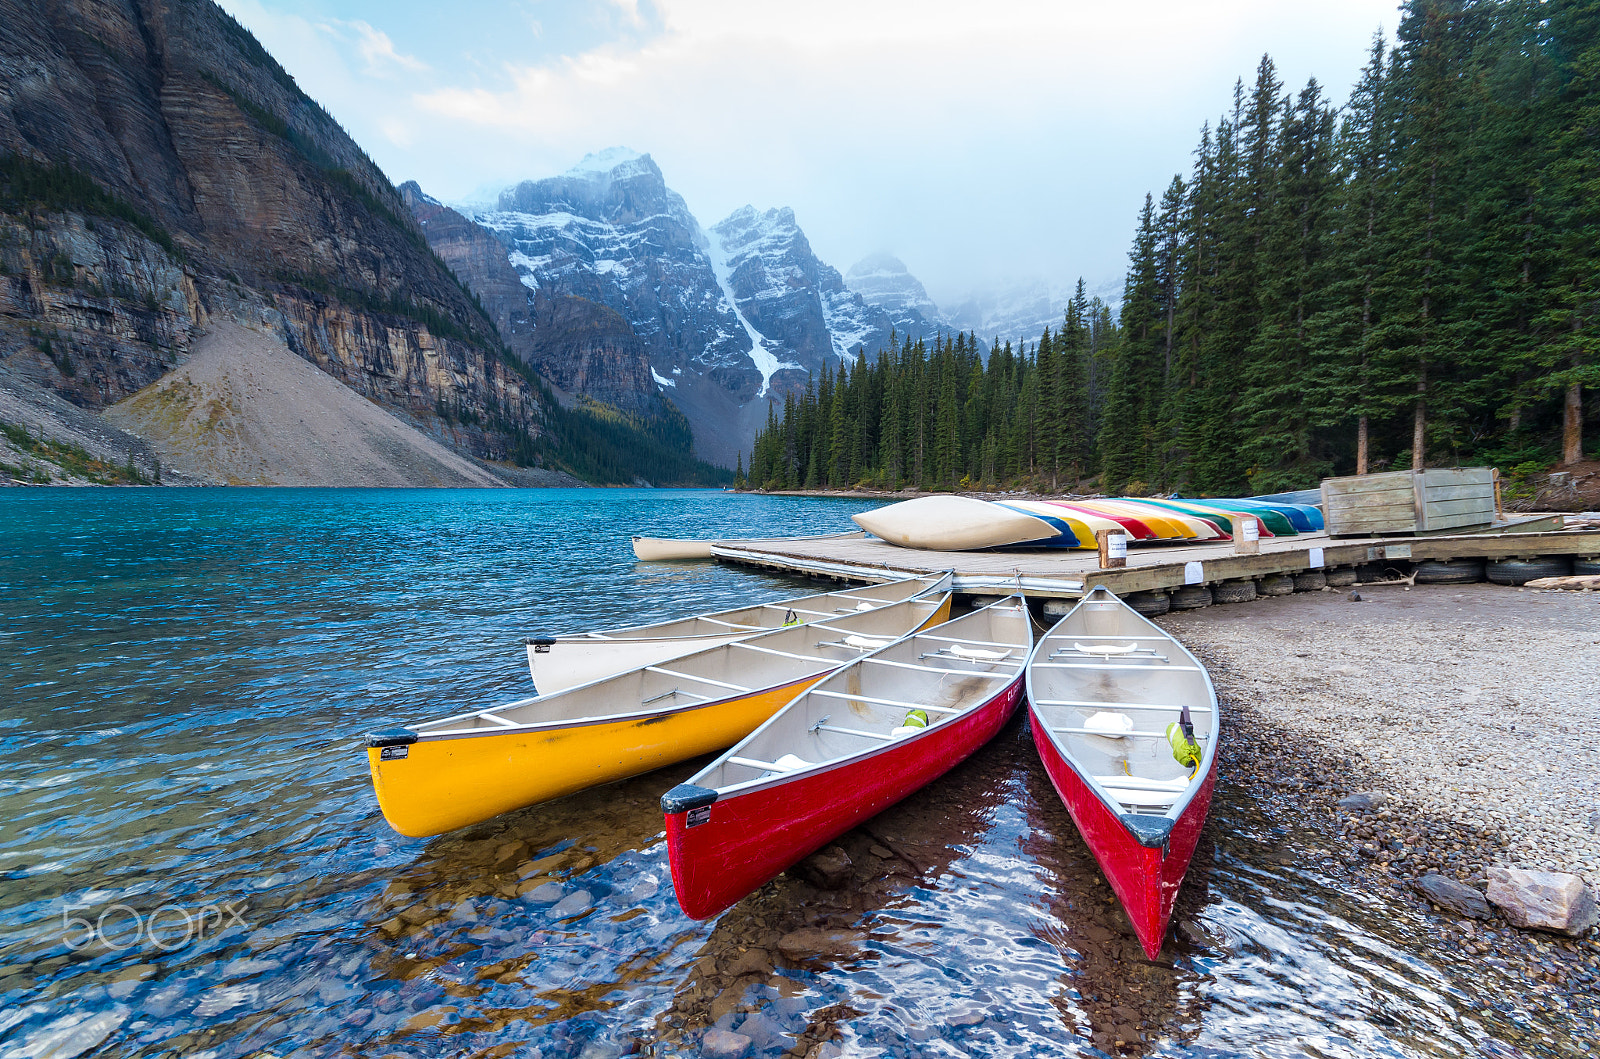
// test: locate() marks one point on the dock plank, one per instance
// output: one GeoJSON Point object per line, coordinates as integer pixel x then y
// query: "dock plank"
{"type": "Point", "coordinates": [1070, 573]}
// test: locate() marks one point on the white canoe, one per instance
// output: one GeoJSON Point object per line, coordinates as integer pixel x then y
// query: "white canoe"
{"type": "Point", "coordinates": [658, 549]}
{"type": "Point", "coordinates": [558, 662]}
{"type": "Point", "coordinates": [953, 523]}
{"type": "Point", "coordinates": [655, 549]}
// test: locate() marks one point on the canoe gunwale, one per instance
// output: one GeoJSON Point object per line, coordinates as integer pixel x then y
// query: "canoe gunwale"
{"type": "Point", "coordinates": [821, 768]}
{"type": "Point", "coordinates": [1176, 810]}
{"type": "Point", "coordinates": [433, 731]}
{"type": "Point", "coordinates": [619, 634]}
{"type": "Point", "coordinates": [424, 735]}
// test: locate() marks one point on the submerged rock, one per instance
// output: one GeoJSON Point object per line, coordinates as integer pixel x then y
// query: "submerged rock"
{"type": "Point", "coordinates": [830, 868]}
{"type": "Point", "coordinates": [724, 1044]}
{"type": "Point", "coordinates": [1364, 800]}
{"type": "Point", "coordinates": [574, 903]}
{"type": "Point", "coordinates": [809, 942]}
{"type": "Point", "coordinates": [545, 894]}
{"type": "Point", "coordinates": [1543, 900]}
{"type": "Point", "coordinates": [1458, 897]}
{"type": "Point", "coordinates": [74, 1035]}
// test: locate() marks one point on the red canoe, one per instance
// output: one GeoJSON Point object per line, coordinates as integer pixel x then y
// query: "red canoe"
{"type": "Point", "coordinates": [842, 752]}
{"type": "Point", "coordinates": [1103, 687]}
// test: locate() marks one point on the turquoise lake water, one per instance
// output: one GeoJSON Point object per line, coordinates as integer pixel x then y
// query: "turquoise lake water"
{"type": "Point", "coordinates": [192, 861]}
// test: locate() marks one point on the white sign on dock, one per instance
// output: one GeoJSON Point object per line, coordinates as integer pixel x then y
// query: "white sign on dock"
{"type": "Point", "coordinates": [1194, 572]}
{"type": "Point", "coordinates": [1314, 561]}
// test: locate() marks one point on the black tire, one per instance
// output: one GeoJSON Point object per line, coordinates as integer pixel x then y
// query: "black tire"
{"type": "Point", "coordinates": [1521, 571]}
{"type": "Point", "coordinates": [1342, 577]}
{"type": "Point", "coordinates": [1586, 566]}
{"type": "Point", "coordinates": [1310, 581]}
{"type": "Point", "coordinates": [1449, 571]}
{"type": "Point", "coordinates": [1190, 597]}
{"type": "Point", "coordinates": [1150, 604]}
{"type": "Point", "coordinates": [1234, 592]}
{"type": "Point", "coordinates": [1276, 585]}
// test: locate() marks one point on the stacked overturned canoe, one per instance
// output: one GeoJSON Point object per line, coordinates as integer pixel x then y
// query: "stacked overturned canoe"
{"type": "Point", "coordinates": [958, 523]}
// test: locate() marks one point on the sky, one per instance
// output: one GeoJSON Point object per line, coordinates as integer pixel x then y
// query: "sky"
{"type": "Point", "coordinates": [983, 143]}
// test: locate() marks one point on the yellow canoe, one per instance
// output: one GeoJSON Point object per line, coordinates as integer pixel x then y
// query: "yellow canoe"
{"type": "Point", "coordinates": [1169, 526]}
{"type": "Point", "coordinates": [1194, 527]}
{"type": "Point", "coordinates": [449, 773]}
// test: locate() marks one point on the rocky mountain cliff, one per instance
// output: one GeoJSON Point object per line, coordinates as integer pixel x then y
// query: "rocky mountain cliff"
{"type": "Point", "coordinates": [158, 170]}
{"type": "Point", "coordinates": [884, 281]}
{"type": "Point", "coordinates": [728, 318]}
{"type": "Point", "coordinates": [581, 346]}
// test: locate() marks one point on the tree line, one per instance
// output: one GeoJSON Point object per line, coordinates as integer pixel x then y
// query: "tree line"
{"type": "Point", "coordinates": [1411, 279]}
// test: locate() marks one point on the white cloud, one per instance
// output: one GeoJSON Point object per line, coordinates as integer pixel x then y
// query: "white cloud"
{"type": "Point", "coordinates": [379, 54]}
{"type": "Point", "coordinates": [974, 141]}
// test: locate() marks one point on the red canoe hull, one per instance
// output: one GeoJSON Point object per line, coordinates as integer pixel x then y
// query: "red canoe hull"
{"type": "Point", "coordinates": [1145, 880]}
{"type": "Point", "coordinates": [750, 837]}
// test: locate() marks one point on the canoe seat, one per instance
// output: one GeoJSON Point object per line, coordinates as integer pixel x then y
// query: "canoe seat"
{"type": "Point", "coordinates": [866, 643]}
{"type": "Point", "coordinates": [1106, 648]}
{"type": "Point", "coordinates": [786, 763]}
{"type": "Point", "coordinates": [977, 654]}
{"type": "Point", "coordinates": [1136, 790]}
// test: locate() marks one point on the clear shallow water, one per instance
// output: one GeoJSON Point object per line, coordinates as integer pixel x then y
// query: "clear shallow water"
{"type": "Point", "coordinates": [184, 681]}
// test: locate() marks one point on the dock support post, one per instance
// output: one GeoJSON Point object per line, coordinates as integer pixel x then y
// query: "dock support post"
{"type": "Point", "coordinates": [1248, 540]}
{"type": "Point", "coordinates": [1113, 548]}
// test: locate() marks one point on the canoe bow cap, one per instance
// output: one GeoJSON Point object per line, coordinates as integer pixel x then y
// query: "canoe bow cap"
{"type": "Point", "coordinates": [391, 737]}
{"type": "Point", "coordinates": [686, 796]}
{"type": "Point", "coordinates": [1152, 832]}
{"type": "Point", "coordinates": [541, 641]}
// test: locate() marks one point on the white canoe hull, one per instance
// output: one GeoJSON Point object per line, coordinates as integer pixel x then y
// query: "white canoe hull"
{"type": "Point", "coordinates": [953, 523]}
{"type": "Point", "coordinates": [656, 549]}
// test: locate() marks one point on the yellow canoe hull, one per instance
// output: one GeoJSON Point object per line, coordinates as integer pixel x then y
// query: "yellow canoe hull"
{"type": "Point", "coordinates": [448, 783]}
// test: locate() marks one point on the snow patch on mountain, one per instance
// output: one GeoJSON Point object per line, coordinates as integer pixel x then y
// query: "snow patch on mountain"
{"type": "Point", "coordinates": [766, 363]}
{"type": "Point", "coordinates": [660, 381]}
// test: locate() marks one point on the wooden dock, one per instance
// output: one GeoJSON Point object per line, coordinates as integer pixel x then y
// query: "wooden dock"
{"type": "Point", "coordinates": [1068, 574]}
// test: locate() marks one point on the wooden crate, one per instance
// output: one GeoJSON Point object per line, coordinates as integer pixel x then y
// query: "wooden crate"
{"type": "Point", "coordinates": [1409, 501]}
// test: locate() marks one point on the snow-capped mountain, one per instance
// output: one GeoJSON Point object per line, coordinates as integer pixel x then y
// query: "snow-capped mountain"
{"type": "Point", "coordinates": [727, 318]}
{"type": "Point", "coordinates": [800, 307]}
{"type": "Point", "coordinates": [883, 280]}
{"type": "Point", "coordinates": [611, 231]}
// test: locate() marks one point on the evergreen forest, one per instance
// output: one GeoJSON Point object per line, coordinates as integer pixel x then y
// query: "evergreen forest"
{"type": "Point", "coordinates": [1411, 279]}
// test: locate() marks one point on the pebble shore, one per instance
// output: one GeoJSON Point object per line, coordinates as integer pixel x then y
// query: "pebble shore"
{"type": "Point", "coordinates": [1468, 712]}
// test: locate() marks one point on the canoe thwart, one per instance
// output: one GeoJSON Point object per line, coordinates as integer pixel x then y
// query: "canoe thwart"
{"type": "Point", "coordinates": [391, 737]}
{"type": "Point", "coordinates": [1105, 733]}
{"type": "Point", "coordinates": [850, 731]}
{"type": "Point", "coordinates": [686, 796]}
{"type": "Point", "coordinates": [1113, 666]}
{"type": "Point", "coordinates": [1121, 705]}
{"type": "Point", "coordinates": [895, 703]}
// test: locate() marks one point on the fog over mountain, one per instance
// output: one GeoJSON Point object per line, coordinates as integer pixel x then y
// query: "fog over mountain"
{"type": "Point", "coordinates": [971, 142]}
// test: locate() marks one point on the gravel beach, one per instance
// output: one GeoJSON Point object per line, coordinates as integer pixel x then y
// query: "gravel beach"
{"type": "Point", "coordinates": [1471, 711]}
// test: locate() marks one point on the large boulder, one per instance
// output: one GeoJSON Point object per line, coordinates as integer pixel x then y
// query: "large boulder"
{"type": "Point", "coordinates": [1542, 900]}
